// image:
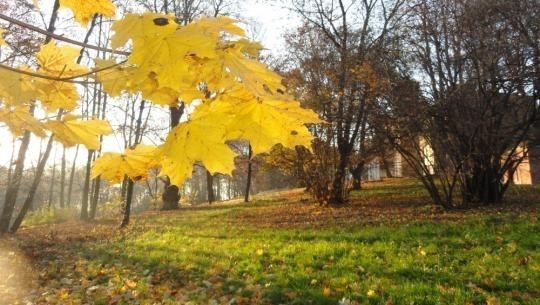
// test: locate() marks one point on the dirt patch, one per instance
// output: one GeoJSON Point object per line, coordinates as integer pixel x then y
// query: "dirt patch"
{"type": "Point", "coordinates": [17, 278]}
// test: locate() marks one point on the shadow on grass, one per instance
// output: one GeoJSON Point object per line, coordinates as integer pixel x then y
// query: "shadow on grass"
{"type": "Point", "coordinates": [370, 252]}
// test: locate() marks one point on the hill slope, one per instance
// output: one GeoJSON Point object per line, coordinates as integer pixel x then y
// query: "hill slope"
{"type": "Point", "coordinates": [389, 245]}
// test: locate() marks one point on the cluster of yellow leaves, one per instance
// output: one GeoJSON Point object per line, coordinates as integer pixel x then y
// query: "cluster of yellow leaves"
{"type": "Point", "coordinates": [133, 163]}
{"type": "Point", "coordinates": [21, 119]}
{"type": "Point", "coordinates": [84, 10]}
{"type": "Point", "coordinates": [71, 131]}
{"type": "Point", "coordinates": [19, 94]}
{"type": "Point", "coordinates": [208, 60]}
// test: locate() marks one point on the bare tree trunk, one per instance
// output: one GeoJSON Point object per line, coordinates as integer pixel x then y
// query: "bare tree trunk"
{"type": "Point", "coordinates": [130, 183]}
{"type": "Point", "coordinates": [95, 198]}
{"type": "Point", "coordinates": [249, 173]}
{"type": "Point", "coordinates": [63, 179]}
{"type": "Point", "coordinates": [86, 187]}
{"type": "Point", "coordinates": [72, 176]}
{"type": "Point", "coordinates": [210, 187]}
{"type": "Point", "coordinates": [51, 187]}
{"type": "Point", "coordinates": [96, 185]}
{"type": "Point", "coordinates": [127, 206]}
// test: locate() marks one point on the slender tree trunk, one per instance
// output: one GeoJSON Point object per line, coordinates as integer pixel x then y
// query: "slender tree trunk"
{"type": "Point", "coordinates": [72, 176]}
{"type": "Point", "coordinates": [63, 179]}
{"type": "Point", "coordinates": [123, 188]}
{"type": "Point", "coordinates": [210, 187]}
{"type": "Point", "coordinates": [127, 206]}
{"type": "Point", "coordinates": [249, 173]}
{"type": "Point", "coordinates": [33, 188]}
{"type": "Point", "coordinates": [51, 187]}
{"type": "Point", "coordinates": [95, 198]}
{"type": "Point", "coordinates": [86, 187]}
{"type": "Point", "coordinates": [130, 183]}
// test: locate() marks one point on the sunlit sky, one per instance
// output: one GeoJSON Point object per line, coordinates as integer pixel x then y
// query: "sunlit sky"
{"type": "Point", "coordinates": [270, 22]}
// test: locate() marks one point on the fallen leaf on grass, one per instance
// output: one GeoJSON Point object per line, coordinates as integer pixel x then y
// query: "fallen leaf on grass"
{"type": "Point", "coordinates": [326, 291]}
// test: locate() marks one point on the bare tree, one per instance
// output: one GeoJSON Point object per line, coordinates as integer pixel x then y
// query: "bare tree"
{"type": "Point", "coordinates": [477, 101]}
{"type": "Point", "coordinates": [338, 53]}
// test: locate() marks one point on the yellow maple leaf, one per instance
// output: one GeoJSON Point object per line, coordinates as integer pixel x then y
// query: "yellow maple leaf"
{"type": "Point", "coordinates": [71, 131]}
{"type": "Point", "coordinates": [166, 58]}
{"type": "Point", "coordinates": [191, 142]}
{"type": "Point", "coordinates": [216, 26]}
{"type": "Point", "coordinates": [135, 163]}
{"type": "Point", "coordinates": [16, 88]}
{"type": "Point", "coordinates": [137, 26]}
{"type": "Point", "coordinates": [171, 55]}
{"type": "Point", "coordinates": [265, 123]}
{"type": "Point", "coordinates": [59, 61]}
{"type": "Point", "coordinates": [56, 95]}
{"type": "Point", "coordinates": [254, 76]}
{"type": "Point", "coordinates": [493, 301]}
{"type": "Point", "coordinates": [19, 119]}
{"type": "Point", "coordinates": [119, 79]}
{"type": "Point", "coordinates": [114, 78]}
{"type": "Point", "coordinates": [327, 291]}
{"type": "Point", "coordinates": [84, 10]}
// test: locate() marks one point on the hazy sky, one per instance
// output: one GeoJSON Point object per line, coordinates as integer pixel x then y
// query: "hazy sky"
{"type": "Point", "coordinates": [270, 21]}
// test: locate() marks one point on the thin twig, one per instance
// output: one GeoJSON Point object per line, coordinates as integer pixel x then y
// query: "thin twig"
{"type": "Point", "coordinates": [69, 79]}
{"type": "Point", "coordinates": [60, 37]}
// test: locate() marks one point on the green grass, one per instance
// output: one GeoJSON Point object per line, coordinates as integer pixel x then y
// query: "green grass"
{"type": "Point", "coordinates": [49, 216]}
{"type": "Point", "coordinates": [213, 255]}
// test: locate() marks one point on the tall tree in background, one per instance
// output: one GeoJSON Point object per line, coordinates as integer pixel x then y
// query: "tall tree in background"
{"type": "Point", "coordinates": [337, 55]}
{"type": "Point", "coordinates": [249, 173]}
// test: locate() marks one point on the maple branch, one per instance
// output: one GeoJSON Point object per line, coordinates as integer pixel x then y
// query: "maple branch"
{"type": "Point", "coordinates": [69, 79]}
{"type": "Point", "coordinates": [60, 37]}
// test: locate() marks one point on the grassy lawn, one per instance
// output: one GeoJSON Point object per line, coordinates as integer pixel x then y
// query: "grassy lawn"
{"type": "Point", "coordinates": [388, 246]}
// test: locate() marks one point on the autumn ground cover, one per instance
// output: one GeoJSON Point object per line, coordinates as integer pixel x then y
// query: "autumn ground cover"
{"type": "Point", "coordinates": [388, 246]}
